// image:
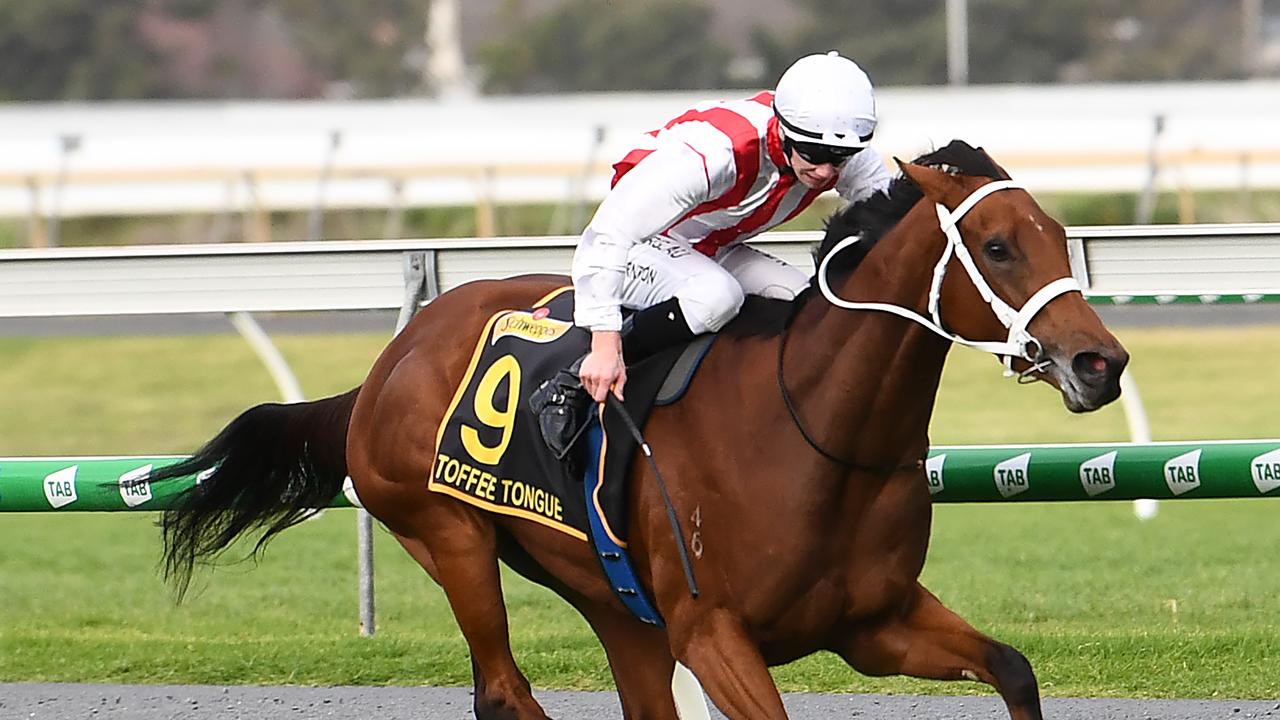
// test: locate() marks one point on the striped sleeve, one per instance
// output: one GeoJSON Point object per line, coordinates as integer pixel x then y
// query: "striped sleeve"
{"type": "Point", "coordinates": [646, 200]}
{"type": "Point", "coordinates": [864, 174]}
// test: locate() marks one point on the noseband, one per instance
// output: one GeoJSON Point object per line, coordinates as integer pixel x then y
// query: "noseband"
{"type": "Point", "coordinates": [1019, 343]}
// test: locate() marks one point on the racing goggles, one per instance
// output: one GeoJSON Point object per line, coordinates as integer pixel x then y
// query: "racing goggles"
{"type": "Point", "coordinates": [820, 154]}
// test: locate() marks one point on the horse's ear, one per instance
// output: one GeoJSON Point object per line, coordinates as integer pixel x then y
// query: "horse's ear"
{"type": "Point", "coordinates": [936, 184]}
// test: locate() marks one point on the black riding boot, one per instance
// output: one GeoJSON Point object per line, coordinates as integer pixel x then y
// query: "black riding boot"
{"type": "Point", "coordinates": [562, 404]}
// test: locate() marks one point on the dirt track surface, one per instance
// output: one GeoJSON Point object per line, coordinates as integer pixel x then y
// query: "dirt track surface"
{"type": "Point", "coordinates": [51, 701]}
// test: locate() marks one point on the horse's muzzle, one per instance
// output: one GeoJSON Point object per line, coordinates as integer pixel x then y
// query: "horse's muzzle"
{"type": "Point", "coordinates": [1094, 378]}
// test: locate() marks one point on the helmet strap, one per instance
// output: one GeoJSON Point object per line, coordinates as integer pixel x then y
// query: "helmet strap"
{"type": "Point", "coordinates": [782, 135]}
{"type": "Point", "coordinates": [786, 150]}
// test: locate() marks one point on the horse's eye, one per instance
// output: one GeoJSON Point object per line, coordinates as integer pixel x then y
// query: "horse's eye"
{"type": "Point", "coordinates": [997, 250]}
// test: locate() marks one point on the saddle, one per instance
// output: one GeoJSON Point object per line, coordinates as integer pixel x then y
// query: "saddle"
{"type": "Point", "coordinates": [490, 452]}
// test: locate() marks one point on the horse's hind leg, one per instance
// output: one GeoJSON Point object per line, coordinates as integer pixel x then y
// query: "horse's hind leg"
{"type": "Point", "coordinates": [640, 660]}
{"type": "Point", "coordinates": [930, 641]}
{"type": "Point", "coordinates": [461, 555]}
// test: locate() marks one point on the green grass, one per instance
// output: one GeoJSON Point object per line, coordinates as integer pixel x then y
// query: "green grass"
{"type": "Point", "coordinates": [138, 396]}
{"type": "Point", "coordinates": [1182, 606]}
{"type": "Point", "coordinates": [1196, 384]}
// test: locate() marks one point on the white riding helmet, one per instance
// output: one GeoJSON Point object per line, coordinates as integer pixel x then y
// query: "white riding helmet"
{"type": "Point", "coordinates": [826, 99]}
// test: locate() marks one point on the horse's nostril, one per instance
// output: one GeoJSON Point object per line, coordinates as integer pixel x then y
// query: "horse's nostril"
{"type": "Point", "coordinates": [1089, 365]}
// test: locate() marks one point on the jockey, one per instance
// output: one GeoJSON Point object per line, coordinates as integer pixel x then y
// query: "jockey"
{"type": "Point", "coordinates": [668, 240]}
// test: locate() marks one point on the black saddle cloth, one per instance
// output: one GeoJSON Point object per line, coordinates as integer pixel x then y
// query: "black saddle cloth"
{"type": "Point", "coordinates": [489, 450]}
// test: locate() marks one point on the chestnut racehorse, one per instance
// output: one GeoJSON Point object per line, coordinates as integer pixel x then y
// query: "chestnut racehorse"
{"type": "Point", "coordinates": [796, 455]}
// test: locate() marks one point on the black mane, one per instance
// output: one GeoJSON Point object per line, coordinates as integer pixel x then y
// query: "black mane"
{"type": "Point", "coordinates": [871, 218]}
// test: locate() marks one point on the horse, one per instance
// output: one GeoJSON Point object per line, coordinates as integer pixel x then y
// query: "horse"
{"type": "Point", "coordinates": [806, 487]}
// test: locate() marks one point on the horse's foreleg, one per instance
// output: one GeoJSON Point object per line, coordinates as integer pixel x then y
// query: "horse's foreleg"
{"type": "Point", "coordinates": [728, 663]}
{"type": "Point", "coordinates": [457, 546]}
{"type": "Point", "coordinates": [930, 641]}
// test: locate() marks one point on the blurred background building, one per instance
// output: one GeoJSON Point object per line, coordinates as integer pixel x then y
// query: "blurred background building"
{"type": "Point", "coordinates": [196, 120]}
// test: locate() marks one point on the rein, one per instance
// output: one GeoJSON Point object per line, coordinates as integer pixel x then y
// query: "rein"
{"type": "Point", "coordinates": [795, 418]}
{"type": "Point", "coordinates": [613, 402]}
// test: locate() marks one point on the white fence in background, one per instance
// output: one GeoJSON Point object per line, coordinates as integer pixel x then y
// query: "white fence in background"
{"type": "Point", "coordinates": [1127, 260]}
{"type": "Point", "coordinates": [61, 160]}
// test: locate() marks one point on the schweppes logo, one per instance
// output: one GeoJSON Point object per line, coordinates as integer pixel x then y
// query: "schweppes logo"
{"type": "Point", "coordinates": [532, 326]}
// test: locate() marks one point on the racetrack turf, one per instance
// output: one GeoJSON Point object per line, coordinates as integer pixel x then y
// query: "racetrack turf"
{"type": "Point", "coordinates": [1181, 606]}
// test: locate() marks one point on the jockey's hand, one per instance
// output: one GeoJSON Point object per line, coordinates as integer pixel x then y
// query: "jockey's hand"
{"type": "Point", "coordinates": [603, 367]}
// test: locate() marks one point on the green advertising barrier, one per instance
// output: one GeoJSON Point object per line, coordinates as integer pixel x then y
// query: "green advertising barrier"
{"type": "Point", "coordinates": [1249, 298]}
{"type": "Point", "coordinates": [69, 484]}
{"type": "Point", "coordinates": [1126, 471]}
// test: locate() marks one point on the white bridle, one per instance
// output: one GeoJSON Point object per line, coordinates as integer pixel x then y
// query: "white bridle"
{"type": "Point", "coordinates": [1020, 343]}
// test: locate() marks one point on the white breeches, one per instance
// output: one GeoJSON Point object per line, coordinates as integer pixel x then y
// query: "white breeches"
{"type": "Point", "coordinates": [710, 290]}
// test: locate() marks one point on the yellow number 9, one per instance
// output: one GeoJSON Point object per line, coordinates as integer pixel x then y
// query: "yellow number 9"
{"type": "Point", "coordinates": [504, 367]}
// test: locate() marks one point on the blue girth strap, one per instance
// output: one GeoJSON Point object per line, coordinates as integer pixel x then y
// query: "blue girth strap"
{"type": "Point", "coordinates": [613, 557]}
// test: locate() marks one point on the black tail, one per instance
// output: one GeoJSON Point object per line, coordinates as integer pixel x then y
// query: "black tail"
{"type": "Point", "coordinates": [266, 471]}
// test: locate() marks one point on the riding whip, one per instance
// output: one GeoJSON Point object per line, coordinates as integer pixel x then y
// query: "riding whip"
{"type": "Point", "coordinates": [616, 404]}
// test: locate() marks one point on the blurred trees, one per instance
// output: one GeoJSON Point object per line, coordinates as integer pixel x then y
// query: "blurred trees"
{"type": "Point", "coordinates": [369, 46]}
{"type": "Point", "coordinates": [1171, 40]}
{"type": "Point", "coordinates": [73, 49]}
{"type": "Point", "coordinates": [904, 42]}
{"type": "Point", "coordinates": [117, 49]}
{"type": "Point", "coordinates": [586, 45]}
{"type": "Point", "coordinates": [120, 49]}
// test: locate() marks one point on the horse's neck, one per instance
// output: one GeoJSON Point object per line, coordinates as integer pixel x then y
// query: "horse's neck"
{"type": "Point", "coordinates": [865, 381]}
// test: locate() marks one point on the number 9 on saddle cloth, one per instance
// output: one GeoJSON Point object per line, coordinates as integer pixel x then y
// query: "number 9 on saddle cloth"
{"type": "Point", "coordinates": [490, 450]}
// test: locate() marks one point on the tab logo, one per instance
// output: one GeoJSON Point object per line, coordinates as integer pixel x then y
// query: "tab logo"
{"type": "Point", "coordinates": [1098, 475]}
{"type": "Point", "coordinates": [933, 473]}
{"type": "Point", "coordinates": [60, 487]}
{"type": "Point", "coordinates": [135, 488]}
{"type": "Point", "coordinates": [1012, 476]}
{"type": "Point", "coordinates": [1266, 471]}
{"type": "Point", "coordinates": [1182, 474]}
